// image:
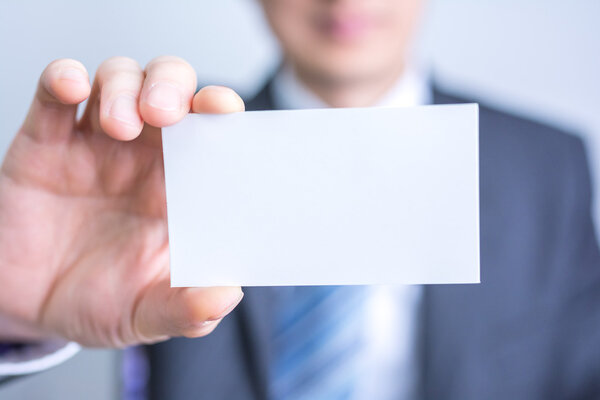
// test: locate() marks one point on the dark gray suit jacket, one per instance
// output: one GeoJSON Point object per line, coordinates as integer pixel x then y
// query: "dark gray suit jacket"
{"type": "Point", "coordinates": [530, 330]}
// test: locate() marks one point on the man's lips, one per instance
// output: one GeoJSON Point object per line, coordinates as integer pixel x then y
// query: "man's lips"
{"type": "Point", "coordinates": [346, 28]}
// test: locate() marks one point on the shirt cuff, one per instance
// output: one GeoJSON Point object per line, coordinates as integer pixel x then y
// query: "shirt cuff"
{"type": "Point", "coordinates": [35, 357]}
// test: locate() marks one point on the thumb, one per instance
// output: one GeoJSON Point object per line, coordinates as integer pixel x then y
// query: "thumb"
{"type": "Point", "coordinates": [62, 86]}
{"type": "Point", "coordinates": [164, 311]}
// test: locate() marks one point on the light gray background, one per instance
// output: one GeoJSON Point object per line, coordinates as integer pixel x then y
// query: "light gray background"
{"type": "Point", "coordinates": [535, 57]}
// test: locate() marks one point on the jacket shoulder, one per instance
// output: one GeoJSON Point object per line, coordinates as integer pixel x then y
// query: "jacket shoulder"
{"type": "Point", "coordinates": [261, 100]}
{"type": "Point", "coordinates": [530, 158]}
{"type": "Point", "coordinates": [514, 127]}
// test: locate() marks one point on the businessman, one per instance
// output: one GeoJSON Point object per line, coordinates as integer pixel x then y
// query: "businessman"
{"type": "Point", "coordinates": [83, 245]}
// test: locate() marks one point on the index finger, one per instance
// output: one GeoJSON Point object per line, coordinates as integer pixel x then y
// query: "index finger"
{"type": "Point", "coordinates": [62, 86]}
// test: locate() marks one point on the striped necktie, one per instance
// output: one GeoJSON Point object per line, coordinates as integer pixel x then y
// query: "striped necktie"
{"type": "Point", "coordinates": [317, 336]}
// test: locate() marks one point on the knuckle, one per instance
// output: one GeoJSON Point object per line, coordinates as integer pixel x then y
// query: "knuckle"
{"type": "Point", "coordinates": [171, 63]}
{"type": "Point", "coordinates": [117, 65]}
{"type": "Point", "coordinates": [61, 63]}
{"type": "Point", "coordinates": [50, 85]}
{"type": "Point", "coordinates": [54, 68]}
{"type": "Point", "coordinates": [128, 82]}
{"type": "Point", "coordinates": [121, 61]}
{"type": "Point", "coordinates": [175, 60]}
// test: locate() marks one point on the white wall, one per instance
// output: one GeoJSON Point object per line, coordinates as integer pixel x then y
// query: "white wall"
{"type": "Point", "coordinates": [540, 58]}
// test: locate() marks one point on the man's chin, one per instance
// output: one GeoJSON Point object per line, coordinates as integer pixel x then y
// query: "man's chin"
{"type": "Point", "coordinates": [344, 74]}
{"type": "Point", "coordinates": [347, 67]}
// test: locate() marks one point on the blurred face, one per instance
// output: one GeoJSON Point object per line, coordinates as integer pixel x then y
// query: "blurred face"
{"type": "Point", "coordinates": [336, 41]}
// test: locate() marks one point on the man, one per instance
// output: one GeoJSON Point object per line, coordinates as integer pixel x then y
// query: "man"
{"type": "Point", "coordinates": [83, 245]}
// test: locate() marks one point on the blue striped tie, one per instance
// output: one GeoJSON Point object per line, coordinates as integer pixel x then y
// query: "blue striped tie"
{"type": "Point", "coordinates": [317, 337]}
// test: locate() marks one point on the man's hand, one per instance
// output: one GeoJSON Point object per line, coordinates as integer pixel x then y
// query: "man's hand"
{"type": "Point", "coordinates": [84, 252]}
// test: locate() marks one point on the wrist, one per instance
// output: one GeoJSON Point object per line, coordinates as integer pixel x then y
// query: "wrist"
{"type": "Point", "coordinates": [13, 330]}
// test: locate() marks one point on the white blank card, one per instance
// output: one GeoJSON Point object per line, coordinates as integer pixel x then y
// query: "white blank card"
{"type": "Point", "coordinates": [319, 197]}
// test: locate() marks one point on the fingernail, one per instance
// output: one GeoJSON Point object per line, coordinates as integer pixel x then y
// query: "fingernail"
{"type": "Point", "coordinates": [209, 323]}
{"type": "Point", "coordinates": [164, 96]}
{"type": "Point", "coordinates": [228, 309]}
{"type": "Point", "coordinates": [73, 74]}
{"type": "Point", "coordinates": [124, 109]}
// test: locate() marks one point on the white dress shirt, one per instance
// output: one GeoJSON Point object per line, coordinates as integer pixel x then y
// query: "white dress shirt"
{"type": "Point", "coordinates": [36, 357]}
{"type": "Point", "coordinates": [389, 361]}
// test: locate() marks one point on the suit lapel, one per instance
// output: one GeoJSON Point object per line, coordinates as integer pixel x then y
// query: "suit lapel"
{"type": "Point", "coordinates": [454, 341]}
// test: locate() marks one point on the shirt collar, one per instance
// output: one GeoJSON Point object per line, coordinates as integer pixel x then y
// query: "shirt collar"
{"type": "Point", "coordinates": [412, 89]}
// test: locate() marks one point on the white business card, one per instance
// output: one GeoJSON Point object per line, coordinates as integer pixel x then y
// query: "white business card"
{"type": "Point", "coordinates": [320, 197]}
